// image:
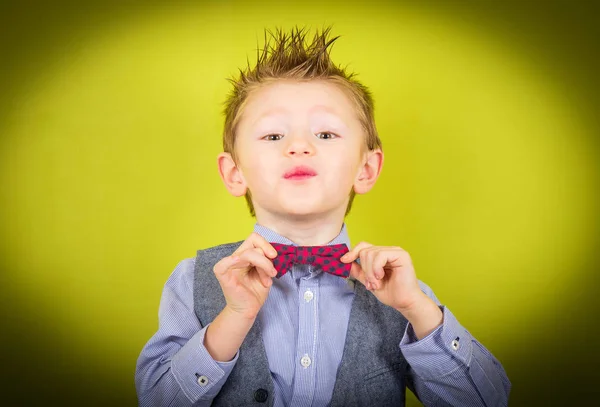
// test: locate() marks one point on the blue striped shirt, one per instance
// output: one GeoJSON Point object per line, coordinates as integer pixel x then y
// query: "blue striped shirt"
{"type": "Point", "coordinates": [304, 321]}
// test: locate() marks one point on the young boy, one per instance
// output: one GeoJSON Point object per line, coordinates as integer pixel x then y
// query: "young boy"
{"type": "Point", "coordinates": [290, 316]}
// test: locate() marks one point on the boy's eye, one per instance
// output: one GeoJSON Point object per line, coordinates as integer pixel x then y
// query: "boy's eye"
{"type": "Point", "coordinates": [269, 136]}
{"type": "Point", "coordinates": [275, 137]}
{"type": "Point", "coordinates": [331, 135]}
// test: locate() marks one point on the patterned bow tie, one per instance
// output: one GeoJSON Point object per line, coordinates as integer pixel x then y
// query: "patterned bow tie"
{"type": "Point", "coordinates": [326, 257]}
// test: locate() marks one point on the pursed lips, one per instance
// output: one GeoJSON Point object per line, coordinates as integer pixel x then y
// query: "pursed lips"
{"type": "Point", "coordinates": [301, 172]}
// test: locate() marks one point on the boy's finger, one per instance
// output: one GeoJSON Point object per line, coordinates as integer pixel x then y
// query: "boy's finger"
{"type": "Point", "coordinates": [265, 262]}
{"type": "Point", "coordinates": [243, 265]}
{"type": "Point", "coordinates": [257, 259]}
{"type": "Point", "coordinates": [257, 241]}
{"type": "Point", "coordinates": [225, 264]}
{"type": "Point", "coordinates": [377, 269]}
{"type": "Point", "coordinates": [355, 252]}
{"type": "Point", "coordinates": [265, 278]}
{"type": "Point", "coordinates": [357, 272]}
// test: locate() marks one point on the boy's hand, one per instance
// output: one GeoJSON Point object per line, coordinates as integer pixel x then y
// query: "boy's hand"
{"type": "Point", "coordinates": [387, 272]}
{"type": "Point", "coordinates": [246, 276]}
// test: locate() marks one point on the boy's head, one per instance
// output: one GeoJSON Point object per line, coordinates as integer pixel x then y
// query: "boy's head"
{"type": "Point", "coordinates": [296, 108]}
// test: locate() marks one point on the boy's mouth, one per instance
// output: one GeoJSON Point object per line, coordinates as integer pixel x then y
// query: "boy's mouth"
{"type": "Point", "coordinates": [300, 172]}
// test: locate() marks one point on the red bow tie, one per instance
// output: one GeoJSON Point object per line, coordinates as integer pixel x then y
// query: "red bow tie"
{"type": "Point", "coordinates": [326, 257]}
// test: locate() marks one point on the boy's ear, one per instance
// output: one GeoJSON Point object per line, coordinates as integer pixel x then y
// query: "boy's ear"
{"type": "Point", "coordinates": [369, 172]}
{"type": "Point", "coordinates": [231, 175]}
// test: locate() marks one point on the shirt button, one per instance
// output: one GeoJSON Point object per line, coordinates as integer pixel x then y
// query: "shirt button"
{"type": "Point", "coordinates": [455, 344]}
{"type": "Point", "coordinates": [308, 295]}
{"type": "Point", "coordinates": [305, 361]}
{"type": "Point", "coordinates": [202, 380]}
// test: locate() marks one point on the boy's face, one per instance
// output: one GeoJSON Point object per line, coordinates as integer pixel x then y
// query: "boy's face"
{"type": "Point", "coordinates": [287, 124]}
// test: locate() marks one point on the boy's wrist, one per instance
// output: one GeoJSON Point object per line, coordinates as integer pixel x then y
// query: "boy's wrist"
{"type": "Point", "coordinates": [240, 316]}
{"type": "Point", "coordinates": [226, 333]}
{"type": "Point", "coordinates": [425, 316]}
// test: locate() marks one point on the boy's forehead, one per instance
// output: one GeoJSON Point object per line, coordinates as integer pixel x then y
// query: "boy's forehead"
{"type": "Point", "coordinates": [286, 98]}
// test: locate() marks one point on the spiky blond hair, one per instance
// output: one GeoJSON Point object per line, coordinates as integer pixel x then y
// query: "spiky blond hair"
{"type": "Point", "coordinates": [291, 58]}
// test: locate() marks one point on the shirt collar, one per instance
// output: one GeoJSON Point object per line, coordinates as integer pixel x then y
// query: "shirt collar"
{"type": "Point", "coordinates": [274, 237]}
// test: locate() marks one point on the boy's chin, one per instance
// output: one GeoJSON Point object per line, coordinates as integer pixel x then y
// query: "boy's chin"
{"type": "Point", "coordinates": [304, 209]}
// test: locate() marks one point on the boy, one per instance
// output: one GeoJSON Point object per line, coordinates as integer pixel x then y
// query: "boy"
{"type": "Point", "coordinates": [291, 316]}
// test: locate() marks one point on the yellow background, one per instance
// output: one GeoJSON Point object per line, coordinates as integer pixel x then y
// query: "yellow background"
{"type": "Point", "coordinates": [110, 124]}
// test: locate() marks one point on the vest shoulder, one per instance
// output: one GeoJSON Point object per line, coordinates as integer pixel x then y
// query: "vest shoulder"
{"type": "Point", "coordinates": [207, 258]}
{"type": "Point", "coordinates": [221, 248]}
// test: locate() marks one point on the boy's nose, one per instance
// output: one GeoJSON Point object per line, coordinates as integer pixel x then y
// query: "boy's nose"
{"type": "Point", "coordinates": [301, 151]}
{"type": "Point", "coordinates": [300, 145]}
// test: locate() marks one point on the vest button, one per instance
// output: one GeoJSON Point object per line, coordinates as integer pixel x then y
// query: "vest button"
{"type": "Point", "coordinates": [261, 395]}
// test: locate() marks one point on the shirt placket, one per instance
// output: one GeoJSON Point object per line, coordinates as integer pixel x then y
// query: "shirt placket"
{"type": "Point", "coordinates": [308, 323]}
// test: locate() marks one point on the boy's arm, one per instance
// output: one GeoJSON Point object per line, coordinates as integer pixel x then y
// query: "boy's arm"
{"type": "Point", "coordinates": [450, 367]}
{"type": "Point", "coordinates": [175, 367]}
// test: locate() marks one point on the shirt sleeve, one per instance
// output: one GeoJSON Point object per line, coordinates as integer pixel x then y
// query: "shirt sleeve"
{"type": "Point", "coordinates": [449, 367]}
{"type": "Point", "coordinates": [174, 367]}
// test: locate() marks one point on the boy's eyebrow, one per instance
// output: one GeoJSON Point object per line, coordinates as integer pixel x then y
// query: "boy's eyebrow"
{"type": "Point", "coordinates": [323, 108]}
{"type": "Point", "coordinates": [277, 111]}
{"type": "Point", "coordinates": [280, 111]}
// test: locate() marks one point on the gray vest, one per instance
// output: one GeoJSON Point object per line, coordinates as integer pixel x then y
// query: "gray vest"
{"type": "Point", "coordinates": [372, 371]}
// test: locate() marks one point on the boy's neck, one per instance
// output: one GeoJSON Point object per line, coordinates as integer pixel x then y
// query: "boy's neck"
{"type": "Point", "coordinates": [303, 231]}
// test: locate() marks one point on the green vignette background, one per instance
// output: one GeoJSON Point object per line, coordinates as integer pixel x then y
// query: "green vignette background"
{"type": "Point", "coordinates": [110, 123]}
